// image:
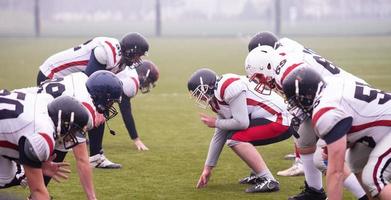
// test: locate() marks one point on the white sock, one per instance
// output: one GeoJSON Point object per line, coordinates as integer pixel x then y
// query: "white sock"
{"type": "Point", "coordinates": [266, 173]}
{"type": "Point", "coordinates": [313, 176]}
{"type": "Point", "coordinates": [351, 183]}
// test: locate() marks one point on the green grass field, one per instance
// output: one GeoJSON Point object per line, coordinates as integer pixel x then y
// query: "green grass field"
{"type": "Point", "coordinates": [168, 122]}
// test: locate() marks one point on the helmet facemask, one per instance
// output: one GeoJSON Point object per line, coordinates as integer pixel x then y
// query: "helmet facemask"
{"type": "Point", "coordinates": [146, 82]}
{"type": "Point", "coordinates": [265, 85]}
{"type": "Point", "coordinates": [129, 57]}
{"type": "Point", "coordinates": [202, 95]}
{"type": "Point", "coordinates": [301, 105]}
{"type": "Point", "coordinates": [107, 107]}
{"type": "Point", "coordinates": [67, 131]}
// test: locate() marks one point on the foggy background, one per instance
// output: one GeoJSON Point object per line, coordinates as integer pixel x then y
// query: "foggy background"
{"type": "Point", "coordinates": [194, 17]}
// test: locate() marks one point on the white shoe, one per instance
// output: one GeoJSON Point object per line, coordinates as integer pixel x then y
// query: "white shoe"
{"type": "Point", "coordinates": [290, 156]}
{"type": "Point", "coordinates": [100, 161]}
{"type": "Point", "coordinates": [295, 170]}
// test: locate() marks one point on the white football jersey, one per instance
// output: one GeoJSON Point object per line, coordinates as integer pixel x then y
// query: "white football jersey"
{"type": "Point", "coordinates": [271, 107]}
{"type": "Point", "coordinates": [73, 85]}
{"type": "Point", "coordinates": [289, 45]}
{"type": "Point", "coordinates": [130, 81]}
{"type": "Point", "coordinates": [25, 114]}
{"type": "Point", "coordinates": [107, 51]}
{"type": "Point", "coordinates": [293, 55]}
{"type": "Point", "coordinates": [341, 98]}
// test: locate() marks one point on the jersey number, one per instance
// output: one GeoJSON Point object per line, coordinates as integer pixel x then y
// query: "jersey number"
{"type": "Point", "coordinates": [322, 61]}
{"type": "Point", "coordinates": [53, 87]}
{"type": "Point", "coordinates": [11, 108]}
{"type": "Point", "coordinates": [373, 93]}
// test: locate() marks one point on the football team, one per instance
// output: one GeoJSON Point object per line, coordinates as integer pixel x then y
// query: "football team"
{"type": "Point", "coordinates": [341, 125]}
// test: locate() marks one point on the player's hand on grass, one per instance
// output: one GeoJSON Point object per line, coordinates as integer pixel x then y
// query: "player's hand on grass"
{"type": "Point", "coordinates": [204, 178]}
{"type": "Point", "coordinates": [55, 170]}
{"type": "Point", "coordinates": [210, 121]}
{"type": "Point", "coordinates": [140, 145]}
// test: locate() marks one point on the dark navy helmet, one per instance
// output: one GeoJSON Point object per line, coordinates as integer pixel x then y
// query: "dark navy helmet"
{"type": "Point", "coordinates": [261, 39]}
{"type": "Point", "coordinates": [300, 89]}
{"type": "Point", "coordinates": [201, 86]}
{"type": "Point", "coordinates": [148, 74]}
{"type": "Point", "coordinates": [69, 117]}
{"type": "Point", "coordinates": [105, 89]}
{"type": "Point", "coordinates": [133, 46]}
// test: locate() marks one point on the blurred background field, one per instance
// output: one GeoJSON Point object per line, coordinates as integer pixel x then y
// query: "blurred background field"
{"type": "Point", "coordinates": [355, 35]}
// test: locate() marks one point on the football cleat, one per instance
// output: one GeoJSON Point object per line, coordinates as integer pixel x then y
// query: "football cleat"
{"type": "Point", "coordinates": [264, 185]}
{"type": "Point", "coordinates": [295, 170]}
{"type": "Point", "coordinates": [309, 193]}
{"type": "Point", "coordinates": [100, 161]}
{"type": "Point", "coordinates": [249, 179]}
{"type": "Point", "coordinates": [290, 156]}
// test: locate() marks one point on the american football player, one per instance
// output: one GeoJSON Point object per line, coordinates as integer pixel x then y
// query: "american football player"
{"type": "Point", "coordinates": [269, 39]}
{"type": "Point", "coordinates": [32, 126]}
{"type": "Point", "coordinates": [99, 53]}
{"type": "Point", "coordinates": [269, 66]}
{"type": "Point", "coordinates": [346, 114]}
{"type": "Point", "coordinates": [244, 119]}
{"type": "Point", "coordinates": [97, 93]}
{"type": "Point", "coordinates": [143, 77]}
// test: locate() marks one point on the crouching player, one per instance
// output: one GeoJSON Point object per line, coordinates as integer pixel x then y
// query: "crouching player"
{"type": "Point", "coordinates": [346, 114]}
{"type": "Point", "coordinates": [31, 128]}
{"type": "Point", "coordinates": [244, 119]}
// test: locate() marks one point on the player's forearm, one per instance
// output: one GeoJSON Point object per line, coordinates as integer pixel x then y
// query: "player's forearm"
{"type": "Point", "coordinates": [84, 170]}
{"type": "Point", "coordinates": [215, 147]}
{"type": "Point", "coordinates": [334, 184]}
{"type": "Point", "coordinates": [335, 169]}
{"type": "Point", "coordinates": [38, 195]}
{"type": "Point", "coordinates": [86, 180]}
{"type": "Point", "coordinates": [127, 116]}
{"type": "Point", "coordinates": [37, 187]}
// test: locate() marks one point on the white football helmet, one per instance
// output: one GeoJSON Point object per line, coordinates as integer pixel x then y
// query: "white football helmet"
{"type": "Point", "coordinates": [260, 67]}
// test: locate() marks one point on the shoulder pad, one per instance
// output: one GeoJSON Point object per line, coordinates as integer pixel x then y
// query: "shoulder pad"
{"type": "Point", "coordinates": [112, 51]}
{"type": "Point", "coordinates": [100, 55]}
{"type": "Point", "coordinates": [27, 154]}
{"type": "Point", "coordinates": [229, 87]}
{"type": "Point", "coordinates": [324, 119]}
{"type": "Point", "coordinates": [130, 81]}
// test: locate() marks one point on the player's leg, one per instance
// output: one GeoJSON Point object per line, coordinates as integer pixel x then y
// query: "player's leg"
{"type": "Point", "coordinates": [352, 184]}
{"type": "Point", "coordinates": [260, 132]}
{"type": "Point", "coordinates": [356, 157]}
{"type": "Point", "coordinates": [376, 175]}
{"type": "Point", "coordinates": [350, 181]}
{"type": "Point", "coordinates": [97, 157]}
{"type": "Point", "coordinates": [297, 167]}
{"type": "Point", "coordinates": [11, 174]}
{"type": "Point", "coordinates": [306, 144]}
